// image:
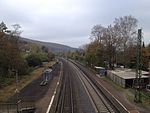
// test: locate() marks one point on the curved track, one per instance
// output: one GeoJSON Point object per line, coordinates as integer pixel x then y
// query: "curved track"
{"type": "Point", "coordinates": [80, 94]}
{"type": "Point", "coordinates": [110, 99]}
{"type": "Point", "coordinates": [99, 102]}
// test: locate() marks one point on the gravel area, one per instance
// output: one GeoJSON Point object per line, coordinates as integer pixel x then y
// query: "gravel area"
{"type": "Point", "coordinates": [42, 104]}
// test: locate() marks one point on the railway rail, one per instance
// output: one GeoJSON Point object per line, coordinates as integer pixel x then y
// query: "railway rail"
{"type": "Point", "coordinates": [98, 100]}
{"type": "Point", "coordinates": [66, 102]}
{"type": "Point", "coordinates": [113, 102]}
{"type": "Point", "coordinates": [70, 95]}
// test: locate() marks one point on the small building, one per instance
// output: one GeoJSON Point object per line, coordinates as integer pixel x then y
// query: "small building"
{"type": "Point", "coordinates": [101, 71]}
{"type": "Point", "coordinates": [125, 78]}
{"type": "Point", "coordinates": [47, 74]}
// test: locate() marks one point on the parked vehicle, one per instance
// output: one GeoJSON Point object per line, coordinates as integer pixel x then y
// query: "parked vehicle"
{"type": "Point", "coordinates": [148, 87]}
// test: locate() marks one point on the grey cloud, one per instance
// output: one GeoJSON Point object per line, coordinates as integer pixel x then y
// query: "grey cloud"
{"type": "Point", "coordinates": [70, 21]}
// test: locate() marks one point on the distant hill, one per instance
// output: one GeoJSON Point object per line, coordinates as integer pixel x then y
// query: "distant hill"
{"type": "Point", "coordinates": [54, 47]}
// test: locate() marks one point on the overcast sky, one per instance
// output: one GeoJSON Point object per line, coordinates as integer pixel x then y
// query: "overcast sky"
{"type": "Point", "coordinates": [69, 22]}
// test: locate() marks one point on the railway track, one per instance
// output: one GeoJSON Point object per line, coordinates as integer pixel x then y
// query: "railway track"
{"type": "Point", "coordinates": [98, 100]}
{"type": "Point", "coordinates": [66, 101]}
{"type": "Point", "coordinates": [74, 79]}
{"type": "Point", "coordinates": [112, 101]}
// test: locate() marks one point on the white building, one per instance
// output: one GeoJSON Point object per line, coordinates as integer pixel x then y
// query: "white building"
{"type": "Point", "coordinates": [126, 77]}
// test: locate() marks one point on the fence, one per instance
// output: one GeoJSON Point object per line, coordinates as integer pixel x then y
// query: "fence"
{"type": "Point", "coordinates": [20, 108]}
{"type": "Point", "coordinates": [8, 108]}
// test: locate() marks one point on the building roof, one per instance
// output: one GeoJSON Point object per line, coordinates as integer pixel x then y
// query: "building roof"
{"type": "Point", "coordinates": [47, 70]}
{"type": "Point", "coordinates": [99, 67]}
{"type": "Point", "coordinates": [128, 74]}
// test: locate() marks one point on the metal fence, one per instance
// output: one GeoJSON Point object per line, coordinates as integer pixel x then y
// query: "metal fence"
{"type": "Point", "coordinates": [8, 108]}
{"type": "Point", "coordinates": [21, 107]}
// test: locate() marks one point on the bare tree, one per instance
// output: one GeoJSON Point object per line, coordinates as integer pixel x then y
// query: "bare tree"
{"type": "Point", "coordinates": [16, 32]}
{"type": "Point", "coordinates": [116, 38]}
{"type": "Point", "coordinates": [97, 33]}
{"type": "Point", "coordinates": [126, 31]}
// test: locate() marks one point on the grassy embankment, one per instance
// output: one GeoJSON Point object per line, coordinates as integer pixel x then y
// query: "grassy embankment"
{"type": "Point", "coordinates": [130, 94]}
{"type": "Point", "coordinates": [9, 89]}
{"type": "Point", "coordinates": [145, 98]}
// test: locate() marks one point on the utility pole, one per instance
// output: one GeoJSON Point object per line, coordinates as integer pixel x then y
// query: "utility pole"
{"type": "Point", "coordinates": [17, 92]}
{"type": "Point", "coordinates": [138, 68]}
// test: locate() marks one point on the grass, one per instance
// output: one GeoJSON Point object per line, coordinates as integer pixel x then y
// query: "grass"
{"type": "Point", "coordinates": [5, 81]}
{"type": "Point", "coordinates": [145, 97]}
{"type": "Point", "coordinates": [129, 93]}
{"type": "Point", "coordinates": [9, 90]}
{"type": "Point", "coordinates": [119, 88]}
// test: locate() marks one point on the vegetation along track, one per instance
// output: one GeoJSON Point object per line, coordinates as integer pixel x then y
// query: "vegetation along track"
{"type": "Point", "coordinates": [115, 105]}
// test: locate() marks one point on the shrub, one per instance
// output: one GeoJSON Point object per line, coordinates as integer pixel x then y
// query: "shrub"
{"type": "Point", "coordinates": [34, 60]}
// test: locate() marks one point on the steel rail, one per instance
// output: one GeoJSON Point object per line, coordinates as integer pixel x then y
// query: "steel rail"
{"type": "Point", "coordinates": [71, 95]}
{"type": "Point", "coordinates": [90, 96]}
{"type": "Point", "coordinates": [66, 104]}
{"type": "Point", "coordinates": [99, 95]}
{"type": "Point", "coordinates": [117, 106]}
{"type": "Point", "coordinates": [97, 90]}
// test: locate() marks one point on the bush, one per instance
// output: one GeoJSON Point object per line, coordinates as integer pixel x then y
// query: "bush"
{"type": "Point", "coordinates": [43, 57]}
{"type": "Point", "coordinates": [24, 68]}
{"type": "Point", "coordinates": [51, 56]}
{"type": "Point", "coordinates": [34, 60]}
{"type": "Point", "coordinates": [5, 81]}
